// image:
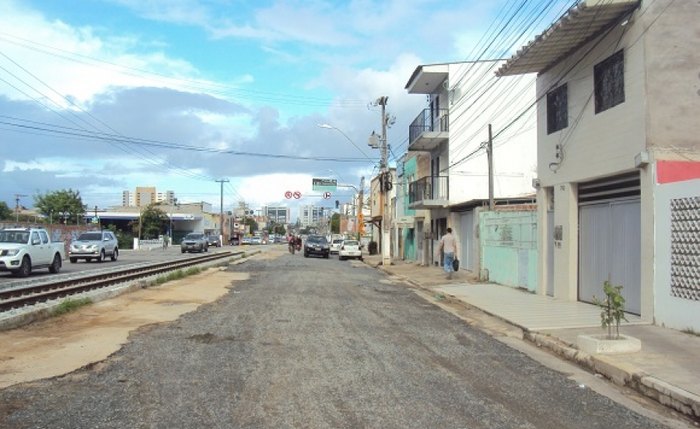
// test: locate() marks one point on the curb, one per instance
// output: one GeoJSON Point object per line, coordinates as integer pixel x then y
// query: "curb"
{"type": "Point", "coordinates": [662, 392]}
{"type": "Point", "coordinates": [678, 399]}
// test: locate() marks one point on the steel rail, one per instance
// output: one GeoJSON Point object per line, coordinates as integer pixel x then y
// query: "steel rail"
{"type": "Point", "coordinates": [33, 294]}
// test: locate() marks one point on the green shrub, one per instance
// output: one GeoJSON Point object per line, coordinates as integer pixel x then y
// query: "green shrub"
{"type": "Point", "coordinates": [69, 305]}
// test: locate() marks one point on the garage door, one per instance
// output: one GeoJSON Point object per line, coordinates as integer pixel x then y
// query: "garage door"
{"type": "Point", "coordinates": [610, 239]}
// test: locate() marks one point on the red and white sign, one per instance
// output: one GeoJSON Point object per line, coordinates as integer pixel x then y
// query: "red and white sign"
{"type": "Point", "coordinates": [297, 194]}
{"type": "Point", "coordinates": [288, 194]}
{"type": "Point", "coordinates": [326, 195]}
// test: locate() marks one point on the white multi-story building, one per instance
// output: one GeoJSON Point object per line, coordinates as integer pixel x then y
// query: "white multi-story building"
{"type": "Point", "coordinates": [167, 197]}
{"type": "Point", "coordinates": [618, 155]}
{"type": "Point", "coordinates": [465, 99]}
{"type": "Point", "coordinates": [277, 215]}
{"type": "Point", "coordinates": [310, 215]}
{"type": "Point", "coordinates": [127, 199]}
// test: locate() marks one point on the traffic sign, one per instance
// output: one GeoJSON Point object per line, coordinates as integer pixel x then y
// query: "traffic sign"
{"type": "Point", "coordinates": [297, 194]}
{"type": "Point", "coordinates": [320, 184]}
{"type": "Point", "coordinates": [288, 194]}
{"type": "Point", "coordinates": [326, 195]}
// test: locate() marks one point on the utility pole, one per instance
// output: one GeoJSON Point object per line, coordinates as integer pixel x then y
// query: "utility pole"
{"type": "Point", "coordinates": [489, 152]}
{"type": "Point", "coordinates": [221, 213]}
{"type": "Point", "coordinates": [359, 215]}
{"type": "Point", "coordinates": [384, 186]}
{"type": "Point", "coordinates": [17, 197]}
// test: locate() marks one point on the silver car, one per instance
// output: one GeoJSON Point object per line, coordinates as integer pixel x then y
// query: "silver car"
{"type": "Point", "coordinates": [97, 245]}
{"type": "Point", "coordinates": [194, 242]}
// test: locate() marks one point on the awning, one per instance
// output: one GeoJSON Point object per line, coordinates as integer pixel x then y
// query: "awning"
{"type": "Point", "coordinates": [582, 23]}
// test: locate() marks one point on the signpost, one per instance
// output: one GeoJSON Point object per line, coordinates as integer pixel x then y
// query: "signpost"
{"type": "Point", "coordinates": [323, 185]}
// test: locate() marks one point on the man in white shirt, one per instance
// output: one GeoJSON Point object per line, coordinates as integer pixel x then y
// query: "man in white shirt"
{"type": "Point", "coordinates": [448, 245]}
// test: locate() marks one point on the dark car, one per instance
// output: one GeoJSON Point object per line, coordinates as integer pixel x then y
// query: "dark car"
{"type": "Point", "coordinates": [194, 241]}
{"type": "Point", "coordinates": [214, 240]}
{"type": "Point", "coordinates": [316, 245]}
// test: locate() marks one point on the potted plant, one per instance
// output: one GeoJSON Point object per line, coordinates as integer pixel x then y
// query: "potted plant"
{"type": "Point", "coordinates": [612, 313]}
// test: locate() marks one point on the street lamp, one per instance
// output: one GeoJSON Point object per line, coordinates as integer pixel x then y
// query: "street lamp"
{"type": "Point", "coordinates": [331, 127]}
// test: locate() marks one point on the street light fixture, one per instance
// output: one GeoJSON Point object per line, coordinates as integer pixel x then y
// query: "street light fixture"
{"type": "Point", "coordinates": [331, 127]}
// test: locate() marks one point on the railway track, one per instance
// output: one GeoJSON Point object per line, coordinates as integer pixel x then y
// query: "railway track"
{"type": "Point", "coordinates": [37, 293]}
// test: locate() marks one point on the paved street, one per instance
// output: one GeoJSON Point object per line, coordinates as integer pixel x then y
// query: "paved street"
{"type": "Point", "coordinates": [316, 343]}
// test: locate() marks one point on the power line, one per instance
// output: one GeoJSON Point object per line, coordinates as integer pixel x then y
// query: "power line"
{"type": "Point", "coordinates": [163, 144]}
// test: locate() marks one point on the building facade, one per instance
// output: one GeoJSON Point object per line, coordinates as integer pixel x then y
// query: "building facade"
{"type": "Point", "coordinates": [310, 215]}
{"type": "Point", "coordinates": [277, 215]}
{"type": "Point", "coordinates": [619, 155]}
{"type": "Point", "coordinates": [467, 105]}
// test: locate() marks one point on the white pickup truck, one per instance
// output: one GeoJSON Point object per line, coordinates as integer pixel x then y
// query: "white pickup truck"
{"type": "Point", "coordinates": [24, 249]}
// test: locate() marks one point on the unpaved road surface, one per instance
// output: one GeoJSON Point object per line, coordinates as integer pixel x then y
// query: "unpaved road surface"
{"type": "Point", "coordinates": [295, 342]}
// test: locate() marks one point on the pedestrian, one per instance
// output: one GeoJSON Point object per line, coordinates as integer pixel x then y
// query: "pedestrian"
{"type": "Point", "coordinates": [448, 246]}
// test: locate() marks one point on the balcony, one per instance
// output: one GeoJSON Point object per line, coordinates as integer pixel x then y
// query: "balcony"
{"type": "Point", "coordinates": [429, 192]}
{"type": "Point", "coordinates": [428, 130]}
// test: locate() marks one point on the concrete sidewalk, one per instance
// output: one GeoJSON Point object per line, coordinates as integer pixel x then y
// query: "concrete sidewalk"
{"type": "Point", "coordinates": [667, 368]}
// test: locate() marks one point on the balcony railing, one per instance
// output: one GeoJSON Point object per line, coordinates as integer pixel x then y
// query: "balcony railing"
{"type": "Point", "coordinates": [430, 190]}
{"type": "Point", "coordinates": [427, 121]}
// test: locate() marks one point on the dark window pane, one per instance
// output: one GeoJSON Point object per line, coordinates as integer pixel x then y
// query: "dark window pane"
{"type": "Point", "coordinates": [609, 81]}
{"type": "Point", "coordinates": [557, 109]}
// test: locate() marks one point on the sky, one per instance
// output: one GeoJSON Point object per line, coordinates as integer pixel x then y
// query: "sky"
{"type": "Point", "coordinates": [101, 96]}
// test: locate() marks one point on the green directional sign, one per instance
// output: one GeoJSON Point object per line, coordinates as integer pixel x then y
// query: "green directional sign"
{"type": "Point", "coordinates": [324, 185]}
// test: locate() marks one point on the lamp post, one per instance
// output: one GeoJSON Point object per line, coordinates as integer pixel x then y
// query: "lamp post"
{"type": "Point", "coordinates": [331, 127]}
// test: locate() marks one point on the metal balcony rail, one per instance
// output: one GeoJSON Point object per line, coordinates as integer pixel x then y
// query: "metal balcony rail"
{"type": "Point", "coordinates": [429, 188]}
{"type": "Point", "coordinates": [428, 120]}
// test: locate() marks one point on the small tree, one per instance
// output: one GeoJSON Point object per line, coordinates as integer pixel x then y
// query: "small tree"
{"type": "Point", "coordinates": [335, 223]}
{"type": "Point", "coordinates": [151, 224]}
{"type": "Point", "coordinates": [65, 205]}
{"type": "Point", "coordinates": [5, 211]}
{"type": "Point", "coordinates": [613, 309]}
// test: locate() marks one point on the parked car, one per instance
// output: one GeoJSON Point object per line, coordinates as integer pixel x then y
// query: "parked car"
{"type": "Point", "coordinates": [25, 249]}
{"type": "Point", "coordinates": [256, 240]}
{"type": "Point", "coordinates": [316, 245]}
{"type": "Point", "coordinates": [95, 245]}
{"type": "Point", "coordinates": [194, 241]}
{"type": "Point", "coordinates": [350, 249]}
{"type": "Point", "coordinates": [335, 245]}
{"type": "Point", "coordinates": [214, 240]}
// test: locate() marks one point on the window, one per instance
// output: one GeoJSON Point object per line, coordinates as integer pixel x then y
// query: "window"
{"type": "Point", "coordinates": [557, 109]}
{"type": "Point", "coordinates": [609, 82]}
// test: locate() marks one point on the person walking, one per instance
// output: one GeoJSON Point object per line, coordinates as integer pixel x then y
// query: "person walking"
{"type": "Point", "coordinates": [448, 246]}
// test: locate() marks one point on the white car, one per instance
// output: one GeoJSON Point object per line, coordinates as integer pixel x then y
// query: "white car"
{"type": "Point", "coordinates": [350, 249]}
{"type": "Point", "coordinates": [335, 245]}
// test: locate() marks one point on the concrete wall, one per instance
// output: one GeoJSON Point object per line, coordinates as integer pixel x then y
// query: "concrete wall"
{"type": "Point", "coordinates": [509, 247]}
{"type": "Point", "coordinates": [677, 276]}
{"type": "Point", "coordinates": [672, 77]}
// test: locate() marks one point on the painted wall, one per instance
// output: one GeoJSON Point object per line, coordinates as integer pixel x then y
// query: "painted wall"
{"type": "Point", "coordinates": [476, 99]}
{"type": "Point", "coordinates": [677, 247]}
{"type": "Point", "coordinates": [593, 145]}
{"type": "Point", "coordinates": [509, 247]}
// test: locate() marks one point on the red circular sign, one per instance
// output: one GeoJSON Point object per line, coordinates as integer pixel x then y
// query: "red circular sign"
{"type": "Point", "coordinates": [297, 194]}
{"type": "Point", "coordinates": [288, 194]}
